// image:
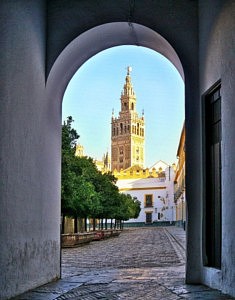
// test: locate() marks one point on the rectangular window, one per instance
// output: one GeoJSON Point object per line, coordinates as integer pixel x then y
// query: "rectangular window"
{"type": "Point", "coordinates": [148, 217]}
{"type": "Point", "coordinates": [212, 167]}
{"type": "Point", "coordinates": [149, 200]}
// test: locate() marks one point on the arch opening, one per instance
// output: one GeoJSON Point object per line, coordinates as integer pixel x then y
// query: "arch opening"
{"type": "Point", "coordinates": [94, 41]}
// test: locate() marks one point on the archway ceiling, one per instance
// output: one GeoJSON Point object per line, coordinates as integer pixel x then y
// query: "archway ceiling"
{"type": "Point", "coordinates": [98, 39]}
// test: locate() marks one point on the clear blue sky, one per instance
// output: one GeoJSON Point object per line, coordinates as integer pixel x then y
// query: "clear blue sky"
{"type": "Point", "coordinates": [95, 90]}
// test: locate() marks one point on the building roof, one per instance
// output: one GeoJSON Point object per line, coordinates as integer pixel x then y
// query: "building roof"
{"type": "Point", "coordinates": [141, 184]}
{"type": "Point", "coordinates": [159, 164]}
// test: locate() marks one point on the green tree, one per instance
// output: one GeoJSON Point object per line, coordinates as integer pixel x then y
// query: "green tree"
{"type": "Point", "coordinates": [85, 191]}
{"type": "Point", "coordinates": [81, 205]}
{"type": "Point", "coordinates": [128, 207]}
{"type": "Point", "coordinates": [68, 176]}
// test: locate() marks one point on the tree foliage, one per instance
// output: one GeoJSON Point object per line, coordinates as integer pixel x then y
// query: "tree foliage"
{"type": "Point", "coordinates": [85, 191]}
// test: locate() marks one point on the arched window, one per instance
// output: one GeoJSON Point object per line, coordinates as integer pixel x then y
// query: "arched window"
{"type": "Point", "coordinates": [132, 106]}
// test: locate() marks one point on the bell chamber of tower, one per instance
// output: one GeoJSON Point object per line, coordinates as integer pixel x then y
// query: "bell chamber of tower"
{"type": "Point", "coordinates": [128, 131]}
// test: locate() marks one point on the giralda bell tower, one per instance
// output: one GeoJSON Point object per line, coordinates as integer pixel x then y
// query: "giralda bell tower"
{"type": "Point", "coordinates": [127, 135]}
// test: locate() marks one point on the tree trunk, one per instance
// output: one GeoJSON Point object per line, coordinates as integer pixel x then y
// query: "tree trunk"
{"type": "Point", "coordinates": [85, 223]}
{"type": "Point", "coordinates": [75, 225]}
{"type": "Point", "coordinates": [63, 223]}
{"type": "Point", "coordinates": [111, 224]}
{"type": "Point", "coordinates": [80, 225]}
{"type": "Point", "coordinates": [106, 224]}
{"type": "Point", "coordinates": [102, 224]}
{"type": "Point", "coordinates": [93, 221]}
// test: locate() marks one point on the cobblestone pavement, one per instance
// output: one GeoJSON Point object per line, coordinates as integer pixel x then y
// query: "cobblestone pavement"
{"type": "Point", "coordinates": [143, 263]}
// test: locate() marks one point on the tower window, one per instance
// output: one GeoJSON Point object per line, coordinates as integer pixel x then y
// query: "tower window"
{"type": "Point", "coordinates": [132, 106]}
{"type": "Point", "coordinates": [114, 154]}
{"type": "Point", "coordinates": [121, 128]}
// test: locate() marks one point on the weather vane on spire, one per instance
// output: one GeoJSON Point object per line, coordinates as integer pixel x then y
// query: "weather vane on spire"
{"type": "Point", "coordinates": [129, 69]}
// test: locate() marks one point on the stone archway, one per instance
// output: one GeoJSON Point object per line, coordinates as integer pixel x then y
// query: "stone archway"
{"type": "Point", "coordinates": [38, 37]}
{"type": "Point", "coordinates": [94, 41]}
{"type": "Point", "coordinates": [100, 38]}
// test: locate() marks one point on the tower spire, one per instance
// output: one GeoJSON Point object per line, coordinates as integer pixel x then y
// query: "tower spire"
{"type": "Point", "coordinates": [129, 70]}
{"type": "Point", "coordinates": [128, 98]}
{"type": "Point", "coordinates": [127, 131]}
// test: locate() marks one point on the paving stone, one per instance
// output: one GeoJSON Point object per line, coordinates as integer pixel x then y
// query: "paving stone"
{"type": "Point", "coordinates": [89, 293]}
{"type": "Point", "coordinates": [206, 295]}
{"type": "Point", "coordinates": [141, 264]}
{"type": "Point", "coordinates": [58, 287]}
{"type": "Point", "coordinates": [133, 248]}
{"type": "Point", "coordinates": [37, 296]}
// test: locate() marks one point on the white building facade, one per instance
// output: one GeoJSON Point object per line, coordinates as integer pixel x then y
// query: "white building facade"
{"type": "Point", "coordinates": [155, 192]}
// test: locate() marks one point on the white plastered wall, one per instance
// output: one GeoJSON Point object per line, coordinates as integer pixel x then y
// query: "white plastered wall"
{"type": "Point", "coordinates": [29, 156]}
{"type": "Point", "coordinates": [217, 56]}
